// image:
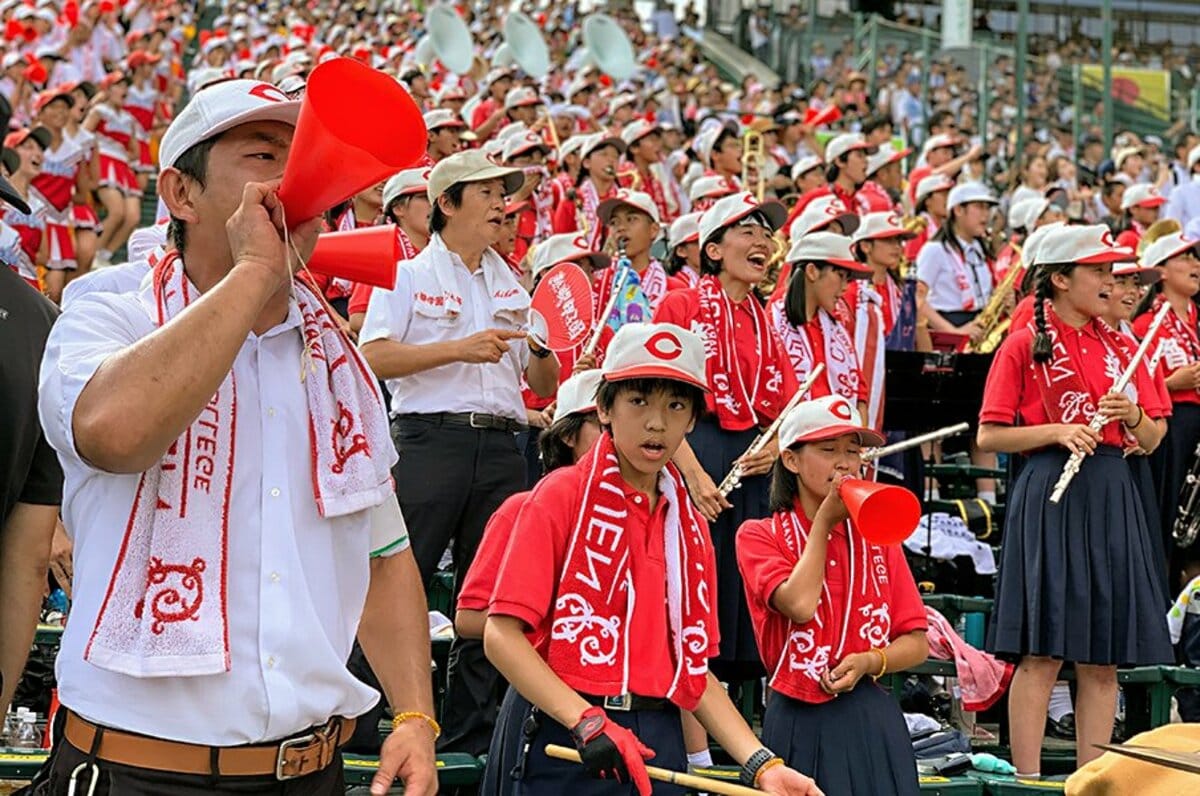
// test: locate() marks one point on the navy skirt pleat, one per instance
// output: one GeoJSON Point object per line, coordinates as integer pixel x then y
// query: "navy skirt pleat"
{"type": "Point", "coordinates": [855, 744]}
{"type": "Point", "coordinates": [505, 775]}
{"type": "Point", "coordinates": [1147, 489]}
{"type": "Point", "coordinates": [1170, 463]}
{"type": "Point", "coordinates": [1078, 579]}
{"type": "Point", "coordinates": [716, 449]}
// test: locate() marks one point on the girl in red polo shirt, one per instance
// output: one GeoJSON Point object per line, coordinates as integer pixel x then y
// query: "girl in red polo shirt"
{"type": "Point", "coordinates": [749, 381]}
{"type": "Point", "coordinates": [805, 321]}
{"type": "Point", "coordinates": [1176, 355]}
{"type": "Point", "coordinates": [830, 609]}
{"type": "Point", "coordinates": [601, 617]}
{"type": "Point", "coordinates": [1077, 580]}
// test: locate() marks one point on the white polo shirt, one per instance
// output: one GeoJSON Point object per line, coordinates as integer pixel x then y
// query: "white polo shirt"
{"type": "Point", "coordinates": [937, 267]}
{"type": "Point", "coordinates": [457, 387]}
{"type": "Point", "coordinates": [296, 582]}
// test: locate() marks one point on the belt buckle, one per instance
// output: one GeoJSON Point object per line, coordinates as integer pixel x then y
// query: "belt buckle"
{"type": "Point", "coordinates": [479, 425]}
{"type": "Point", "coordinates": [622, 702]}
{"type": "Point", "coordinates": [323, 740]}
{"type": "Point", "coordinates": [282, 761]}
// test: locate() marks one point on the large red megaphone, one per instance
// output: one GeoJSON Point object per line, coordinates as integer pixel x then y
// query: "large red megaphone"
{"type": "Point", "coordinates": [357, 127]}
{"type": "Point", "coordinates": [366, 255]}
{"type": "Point", "coordinates": [883, 514]}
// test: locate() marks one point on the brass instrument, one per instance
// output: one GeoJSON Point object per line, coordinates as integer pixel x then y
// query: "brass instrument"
{"type": "Point", "coordinates": [915, 225]}
{"type": "Point", "coordinates": [996, 318]}
{"type": "Point", "coordinates": [754, 160]}
{"type": "Point", "coordinates": [1071, 468]}
{"type": "Point", "coordinates": [774, 265]}
{"type": "Point", "coordinates": [734, 478]}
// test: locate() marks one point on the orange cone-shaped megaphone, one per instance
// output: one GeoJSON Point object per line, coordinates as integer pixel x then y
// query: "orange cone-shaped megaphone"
{"type": "Point", "coordinates": [366, 255]}
{"type": "Point", "coordinates": [882, 513]}
{"type": "Point", "coordinates": [336, 150]}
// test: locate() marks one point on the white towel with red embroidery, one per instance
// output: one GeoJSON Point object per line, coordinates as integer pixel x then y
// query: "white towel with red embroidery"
{"type": "Point", "coordinates": [435, 285]}
{"type": "Point", "coordinates": [165, 613]}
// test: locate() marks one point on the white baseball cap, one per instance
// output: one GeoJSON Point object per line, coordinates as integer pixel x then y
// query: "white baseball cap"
{"type": "Point", "coordinates": [684, 229]}
{"type": "Point", "coordinates": [931, 185]}
{"type": "Point", "coordinates": [655, 350]}
{"type": "Point", "coordinates": [707, 139]}
{"type": "Point", "coordinates": [826, 247]}
{"type": "Point", "coordinates": [841, 144]}
{"type": "Point", "coordinates": [471, 165]}
{"type": "Point", "coordinates": [577, 395]}
{"type": "Point", "coordinates": [969, 192]}
{"type": "Point", "coordinates": [566, 247]}
{"type": "Point", "coordinates": [638, 200]}
{"type": "Point", "coordinates": [511, 129]}
{"type": "Point", "coordinates": [805, 165]}
{"type": "Point", "coordinates": [825, 418]}
{"type": "Point", "coordinates": [1146, 275]}
{"type": "Point", "coordinates": [1025, 213]}
{"type": "Point", "coordinates": [570, 145]}
{"type": "Point", "coordinates": [520, 97]}
{"type": "Point", "coordinates": [885, 224]}
{"type": "Point", "coordinates": [1124, 154]}
{"type": "Point", "coordinates": [727, 210]}
{"type": "Point", "coordinates": [436, 120]}
{"type": "Point", "coordinates": [406, 182]}
{"type": "Point", "coordinates": [885, 155]}
{"type": "Point", "coordinates": [1165, 248]}
{"type": "Point", "coordinates": [819, 214]}
{"type": "Point", "coordinates": [711, 187]}
{"type": "Point", "coordinates": [637, 130]}
{"type": "Point", "coordinates": [595, 141]}
{"type": "Point", "coordinates": [1142, 195]}
{"type": "Point", "coordinates": [940, 141]}
{"type": "Point", "coordinates": [1084, 245]}
{"type": "Point", "coordinates": [521, 143]}
{"type": "Point", "coordinates": [220, 107]}
{"type": "Point", "coordinates": [1030, 254]}
{"type": "Point", "coordinates": [1193, 157]}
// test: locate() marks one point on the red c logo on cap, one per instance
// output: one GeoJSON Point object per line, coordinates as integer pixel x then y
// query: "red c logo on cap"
{"type": "Point", "coordinates": [664, 345]}
{"type": "Point", "coordinates": [1106, 238]}
{"type": "Point", "coordinates": [841, 409]}
{"type": "Point", "coordinates": [581, 243]}
{"type": "Point", "coordinates": [748, 199]}
{"type": "Point", "coordinates": [266, 91]}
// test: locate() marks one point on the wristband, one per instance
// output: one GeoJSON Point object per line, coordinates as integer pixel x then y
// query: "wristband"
{"type": "Point", "coordinates": [537, 350]}
{"type": "Point", "coordinates": [754, 766]}
{"type": "Point", "coordinates": [1138, 422]}
{"type": "Point", "coordinates": [400, 718]}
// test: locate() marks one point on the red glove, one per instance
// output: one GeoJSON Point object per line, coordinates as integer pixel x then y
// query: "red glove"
{"type": "Point", "coordinates": [610, 750]}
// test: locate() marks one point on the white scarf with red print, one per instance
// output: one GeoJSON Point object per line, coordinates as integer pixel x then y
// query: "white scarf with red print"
{"type": "Point", "coordinates": [864, 621]}
{"type": "Point", "coordinates": [165, 613]}
{"type": "Point", "coordinates": [738, 405]}
{"type": "Point", "coordinates": [590, 648]}
{"type": "Point", "coordinates": [841, 362]}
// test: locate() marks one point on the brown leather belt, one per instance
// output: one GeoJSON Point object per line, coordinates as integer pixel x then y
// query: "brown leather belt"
{"type": "Point", "coordinates": [286, 759]}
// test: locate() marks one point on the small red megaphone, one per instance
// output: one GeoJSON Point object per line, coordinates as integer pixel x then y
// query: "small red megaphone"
{"type": "Point", "coordinates": [814, 117]}
{"type": "Point", "coordinates": [882, 513]}
{"type": "Point", "coordinates": [357, 127]}
{"type": "Point", "coordinates": [366, 255]}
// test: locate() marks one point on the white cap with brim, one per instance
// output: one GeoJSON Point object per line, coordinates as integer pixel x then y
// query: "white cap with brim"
{"type": "Point", "coordinates": [1082, 245]}
{"type": "Point", "coordinates": [566, 247]}
{"type": "Point", "coordinates": [577, 395]}
{"type": "Point", "coordinates": [405, 183]}
{"type": "Point", "coordinates": [1165, 248]}
{"type": "Point", "coordinates": [221, 107]}
{"type": "Point", "coordinates": [805, 165]}
{"type": "Point", "coordinates": [825, 418]}
{"type": "Point", "coordinates": [655, 351]}
{"type": "Point", "coordinates": [685, 229]}
{"type": "Point", "coordinates": [819, 214]}
{"type": "Point", "coordinates": [968, 193]}
{"type": "Point", "coordinates": [642, 202]}
{"type": "Point", "coordinates": [733, 208]}
{"type": "Point", "coordinates": [827, 247]}
{"type": "Point", "coordinates": [472, 165]}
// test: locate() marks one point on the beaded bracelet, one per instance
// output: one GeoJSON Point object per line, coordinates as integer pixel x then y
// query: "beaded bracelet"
{"type": "Point", "coordinates": [774, 761]}
{"type": "Point", "coordinates": [400, 718]}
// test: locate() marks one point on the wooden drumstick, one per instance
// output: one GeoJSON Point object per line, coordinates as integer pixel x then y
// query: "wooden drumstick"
{"type": "Point", "coordinates": [705, 784]}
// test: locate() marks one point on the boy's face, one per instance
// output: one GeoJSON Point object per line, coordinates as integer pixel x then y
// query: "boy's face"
{"type": "Point", "coordinates": [647, 428]}
{"type": "Point", "coordinates": [635, 227]}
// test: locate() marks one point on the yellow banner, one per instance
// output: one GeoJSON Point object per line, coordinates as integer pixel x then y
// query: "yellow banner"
{"type": "Point", "coordinates": [1146, 89]}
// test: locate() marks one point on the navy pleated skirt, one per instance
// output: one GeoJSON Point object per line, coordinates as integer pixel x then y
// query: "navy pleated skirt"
{"type": "Point", "coordinates": [1077, 579]}
{"type": "Point", "coordinates": [513, 770]}
{"type": "Point", "coordinates": [1147, 489]}
{"type": "Point", "coordinates": [716, 449]}
{"type": "Point", "coordinates": [1170, 464]}
{"type": "Point", "coordinates": [855, 744]}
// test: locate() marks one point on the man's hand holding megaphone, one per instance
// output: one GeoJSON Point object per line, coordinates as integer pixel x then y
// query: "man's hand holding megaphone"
{"type": "Point", "coordinates": [259, 239]}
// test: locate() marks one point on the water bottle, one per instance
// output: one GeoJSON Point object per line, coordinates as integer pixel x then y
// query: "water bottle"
{"type": "Point", "coordinates": [8, 733]}
{"type": "Point", "coordinates": [27, 735]}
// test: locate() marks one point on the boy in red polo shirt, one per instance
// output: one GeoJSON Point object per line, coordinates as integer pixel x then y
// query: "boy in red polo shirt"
{"type": "Point", "coordinates": [610, 572]}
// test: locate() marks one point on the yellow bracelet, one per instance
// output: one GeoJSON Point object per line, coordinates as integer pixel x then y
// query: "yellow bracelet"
{"type": "Point", "coordinates": [882, 662]}
{"type": "Point", "coordinates": [774, 761]}
{"type": "Point", "coordinates": [400, 718]}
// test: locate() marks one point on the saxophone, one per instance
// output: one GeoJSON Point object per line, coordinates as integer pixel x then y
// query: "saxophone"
{"type": "Point", "coordinates": [995, 318]}
{"type": "Point", "coordinates": [1187, 521]}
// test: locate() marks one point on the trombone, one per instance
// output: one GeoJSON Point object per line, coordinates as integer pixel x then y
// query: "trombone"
{"type": "Point", "coordinates": [754, 160]}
